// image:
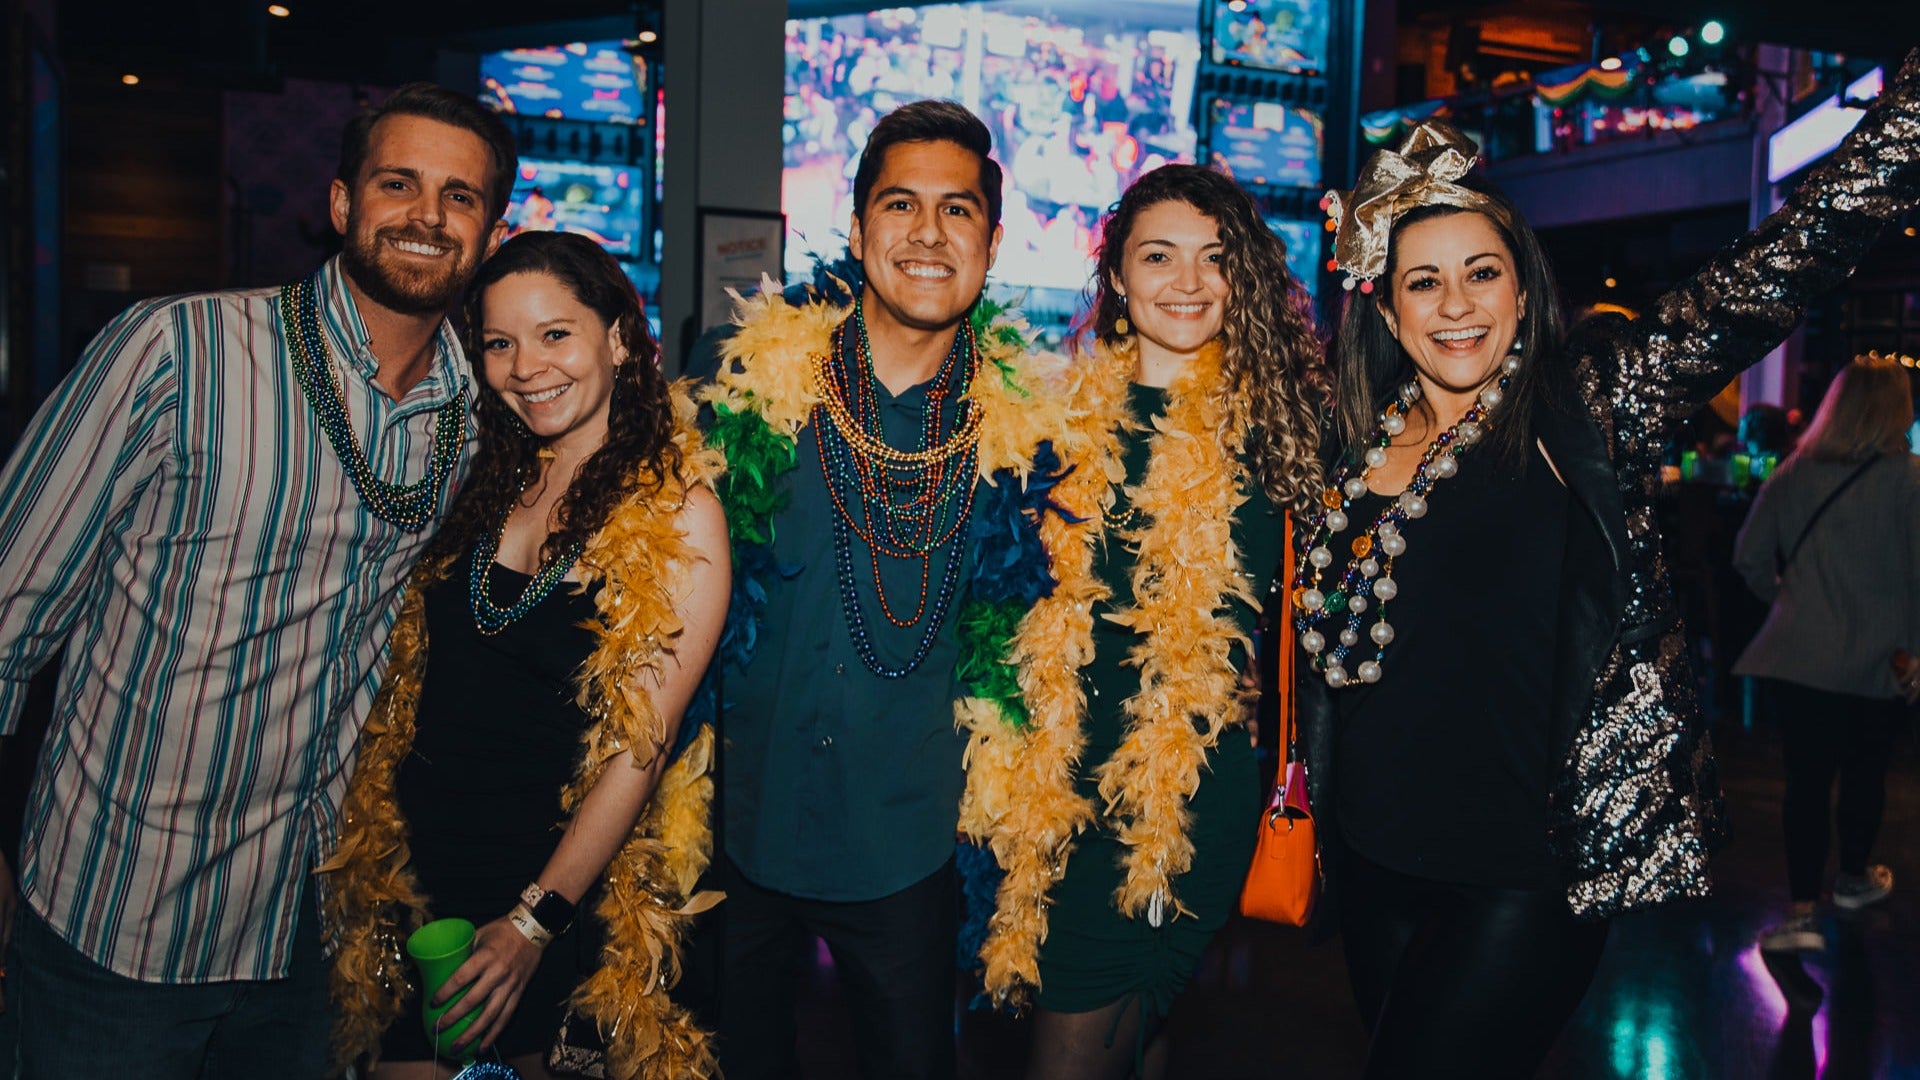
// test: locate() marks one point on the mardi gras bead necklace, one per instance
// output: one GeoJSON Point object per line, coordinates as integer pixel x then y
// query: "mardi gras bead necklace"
{"type": "Point", "coordinates": [409, 507]}
{"type": "Point", "coordinates": [490, 618]}
{"type": "Point", "coordinates": [1367, 580]}
{"type": "Point", "coordinates": [902, 504]}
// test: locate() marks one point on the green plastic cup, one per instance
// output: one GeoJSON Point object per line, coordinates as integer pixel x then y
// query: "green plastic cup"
{"type": "Point", "coordinates": [438, 949]}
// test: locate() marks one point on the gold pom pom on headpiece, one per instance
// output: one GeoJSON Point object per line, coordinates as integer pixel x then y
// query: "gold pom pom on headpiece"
{"type": "Point", "coordinates": [1423, 172]}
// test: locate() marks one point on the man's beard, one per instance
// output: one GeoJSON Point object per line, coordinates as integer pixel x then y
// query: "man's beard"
{"type": "Point", "coordinates": [403, 288]}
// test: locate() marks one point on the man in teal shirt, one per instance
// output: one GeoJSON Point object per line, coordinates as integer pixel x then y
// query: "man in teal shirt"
{"type": "Point", "coordinates": [841, 765]}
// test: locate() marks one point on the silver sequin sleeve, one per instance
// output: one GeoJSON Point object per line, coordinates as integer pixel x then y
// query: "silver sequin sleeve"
{"type": "Point", "coordinates": [1638, 805]}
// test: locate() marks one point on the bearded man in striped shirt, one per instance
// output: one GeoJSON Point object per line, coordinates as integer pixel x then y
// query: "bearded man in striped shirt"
{"type": "Point", "coordinates": [214, 515]}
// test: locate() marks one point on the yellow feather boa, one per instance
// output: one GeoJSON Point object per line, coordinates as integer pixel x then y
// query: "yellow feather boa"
{"type": "Point", "coordinates": [768, 368]}
{"type": "Point", "coordinates": [372, 900]}
{"type": "Point", "coordinates": [1020, 799]}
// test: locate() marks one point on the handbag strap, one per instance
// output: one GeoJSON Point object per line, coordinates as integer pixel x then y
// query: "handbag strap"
{"type": "Point", "coordinates": [1780, 568]}
{"type": "Point", "coordinates": [1285, 730]}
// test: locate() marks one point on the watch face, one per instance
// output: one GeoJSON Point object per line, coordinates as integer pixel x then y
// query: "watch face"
{"type": "Point", "coordinates": [553, 912]}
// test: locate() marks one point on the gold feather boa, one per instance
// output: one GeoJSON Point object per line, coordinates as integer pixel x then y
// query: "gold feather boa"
{"type": "Point", "coordinates": [1020, 799]}
{"type": "Point", "coordinates": [372, 900]}
{"type": "Point", "coordinates": [768, 368]}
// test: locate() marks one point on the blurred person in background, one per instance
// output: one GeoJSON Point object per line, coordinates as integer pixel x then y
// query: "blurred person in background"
{"type": "Point", "coordinates": [1833, 544]}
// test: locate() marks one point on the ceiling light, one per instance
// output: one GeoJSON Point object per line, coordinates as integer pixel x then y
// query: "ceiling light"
{"type": "Point", "coordinates": [1611, 63]}
{"type": "Point", "coordinates": [1712, 32]}
{"type": "Point", "coordinates": [648, 37]}
{"type": "Point", "coordinates": [130, 80]}
{"type": "Point", "coordinates": [278, 11]}
{"type": "Point", "coordinates": [1678, 46]}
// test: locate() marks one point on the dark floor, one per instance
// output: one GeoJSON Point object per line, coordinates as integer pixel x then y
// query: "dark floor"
{"type": "Point", "coordinates": [1682, 993]}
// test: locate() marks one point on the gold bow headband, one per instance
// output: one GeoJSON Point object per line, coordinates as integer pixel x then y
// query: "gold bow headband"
{"type": "Point", "coordinates": [1422, 173]}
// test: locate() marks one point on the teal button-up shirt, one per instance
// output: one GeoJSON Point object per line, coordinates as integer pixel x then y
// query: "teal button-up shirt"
{"type": "Point", "coordinates": [840, 784]}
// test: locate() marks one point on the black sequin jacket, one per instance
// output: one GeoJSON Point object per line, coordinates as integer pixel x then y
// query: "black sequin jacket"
{"type": "Point", "coordinates": [1636, 805]}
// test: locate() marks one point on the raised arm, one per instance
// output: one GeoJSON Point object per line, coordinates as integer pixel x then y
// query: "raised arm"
{"type": "Point", "coordinates": [503, 958]}
{"type": "Point", "coordinates": [1751, 295]}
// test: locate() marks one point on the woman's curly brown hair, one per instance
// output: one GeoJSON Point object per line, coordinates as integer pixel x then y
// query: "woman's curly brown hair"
{"type": "Point", "coordinates": [639, 454]}
{"type": "Point", "coordinates": [1275, 364]}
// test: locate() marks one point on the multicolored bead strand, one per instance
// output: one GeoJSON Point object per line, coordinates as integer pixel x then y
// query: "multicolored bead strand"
{"type": "Point", "coordinates": [1367, 579]}
{"type": "Point", "coordinates": [408, 507]}
{"type": "Point", "coordinates": [902, 504]}
{"type": "Point", "coordinates": [490, 618]}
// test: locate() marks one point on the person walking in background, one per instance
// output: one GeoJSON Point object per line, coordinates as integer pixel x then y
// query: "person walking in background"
{"type": "Point", "coordinates": [214, 515]}
{"type": "Point", "coordinates": [548, 647]}
{"type": "Point", "coordinates": [1833, 543]}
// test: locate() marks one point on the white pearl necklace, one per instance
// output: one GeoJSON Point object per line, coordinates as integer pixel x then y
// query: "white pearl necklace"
{"type": "Point", "coordinates": [1367, 581]}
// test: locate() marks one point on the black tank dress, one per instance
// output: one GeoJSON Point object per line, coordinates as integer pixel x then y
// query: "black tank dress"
{"type": "Point", "coordinates": [497, 736]}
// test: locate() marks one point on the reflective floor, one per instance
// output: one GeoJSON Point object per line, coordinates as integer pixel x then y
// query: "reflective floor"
{"type": "Point", "coordinates": [1681, 994]}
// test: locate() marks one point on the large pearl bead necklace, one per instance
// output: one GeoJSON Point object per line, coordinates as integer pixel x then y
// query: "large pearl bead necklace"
{"type": "Point", "coordinates": [1321, 606]}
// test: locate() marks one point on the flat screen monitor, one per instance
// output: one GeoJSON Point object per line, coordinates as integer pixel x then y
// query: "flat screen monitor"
{"type": "Point", "coordinates": [1266, 144]}
{"type": "Point", "coordinates": [598, 201]}
{"type": "Point", "coordinates": [1081, 97]}
{"type": "Point", "coordinates": [1279, 35]}
{"type": "Point", "coordinates": [598, 81]}
{"type": "Point", "coordinates": [1303, 249]}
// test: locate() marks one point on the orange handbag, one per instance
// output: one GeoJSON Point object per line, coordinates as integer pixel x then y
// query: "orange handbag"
{"type": "Point", "coordinates": [1284, 880]}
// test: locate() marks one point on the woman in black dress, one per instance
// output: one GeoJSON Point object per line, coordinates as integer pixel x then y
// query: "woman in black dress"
{"type": "Point", "coordinates": [532, 761]}
{"type": "Point", "coordinates": [1503, 743]}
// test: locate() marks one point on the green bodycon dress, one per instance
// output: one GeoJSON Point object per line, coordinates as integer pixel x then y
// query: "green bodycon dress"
{"type": "Point", "coordinates": [1093, 956]}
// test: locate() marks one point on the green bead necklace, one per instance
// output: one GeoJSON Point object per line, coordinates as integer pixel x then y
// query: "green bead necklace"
{"type": "Point", "coordinates": [408, 507]}
{"type": "Point", "coordinates": [490, 617]}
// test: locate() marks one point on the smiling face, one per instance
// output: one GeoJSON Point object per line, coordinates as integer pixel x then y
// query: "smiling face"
{"type": "Point", "coordinates": [551, 359]}
{"type": "Point", "coordinates": [416, 221]}
{"type": "Point", "coordinates": [922, 239]}
{"type": "Point", "coordinates": [1456, 300]}
{"type": "Point", "coordinates": [1171, 278]}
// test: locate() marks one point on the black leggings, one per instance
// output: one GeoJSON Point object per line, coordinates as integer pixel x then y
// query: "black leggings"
{"type": "Point", "coordinates": [1829, 734]}
{"type": "Point", "coordinates": [1460, 980]}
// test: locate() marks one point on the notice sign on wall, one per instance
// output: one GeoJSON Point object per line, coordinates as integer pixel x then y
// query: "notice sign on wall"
{"type": "Point", "coordinates": [737, 248]}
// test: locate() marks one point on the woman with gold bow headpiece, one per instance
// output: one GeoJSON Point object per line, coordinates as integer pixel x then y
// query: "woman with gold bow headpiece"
{"type": "Point", "coordinates": [1115, 784]}
{"type": "Point", "coordinates": [1503, 740]}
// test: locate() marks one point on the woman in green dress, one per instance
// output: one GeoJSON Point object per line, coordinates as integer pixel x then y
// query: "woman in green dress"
{"type": "Point", "coordinates": [1121, 804]}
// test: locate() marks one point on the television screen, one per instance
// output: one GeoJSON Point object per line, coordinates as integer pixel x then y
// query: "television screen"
{"type": "Point", "coordinates": [598, 201]}
{"type": "Point", "coordinates": [590, 80]}
{"type": "Point", "coordinates": [1303, 249]}
{"type": "Point", "coordinates": [1281, 35]}
{"type": "Point", "coordinates": [1266, 144]}
{"type": "Point", "coordinates": [1081, 97]}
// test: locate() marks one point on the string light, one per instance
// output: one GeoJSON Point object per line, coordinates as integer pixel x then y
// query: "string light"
{"type": "Point", "coordinates": [130, 80]}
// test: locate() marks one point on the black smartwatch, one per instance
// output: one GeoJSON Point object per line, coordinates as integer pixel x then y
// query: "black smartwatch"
{"type": "Point", "coordinates": [552, 911]}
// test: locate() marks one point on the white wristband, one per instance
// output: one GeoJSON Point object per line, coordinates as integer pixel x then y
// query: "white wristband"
{"type": "Point", "coordinates": [522, 919]}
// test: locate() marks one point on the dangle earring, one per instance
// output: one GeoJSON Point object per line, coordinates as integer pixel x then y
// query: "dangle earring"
{"type": "Point", "coordinates": [1120, 325]}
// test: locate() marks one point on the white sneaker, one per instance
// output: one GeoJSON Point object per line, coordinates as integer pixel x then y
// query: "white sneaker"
{"type": "Point", "coordinates": [1798, 934]}
{"type": "Point", "coordinates": [1855, 891]}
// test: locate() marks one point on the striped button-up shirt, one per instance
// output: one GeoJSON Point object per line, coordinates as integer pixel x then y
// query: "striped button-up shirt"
{"type": "Point", "coordinates": [176, 518]}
